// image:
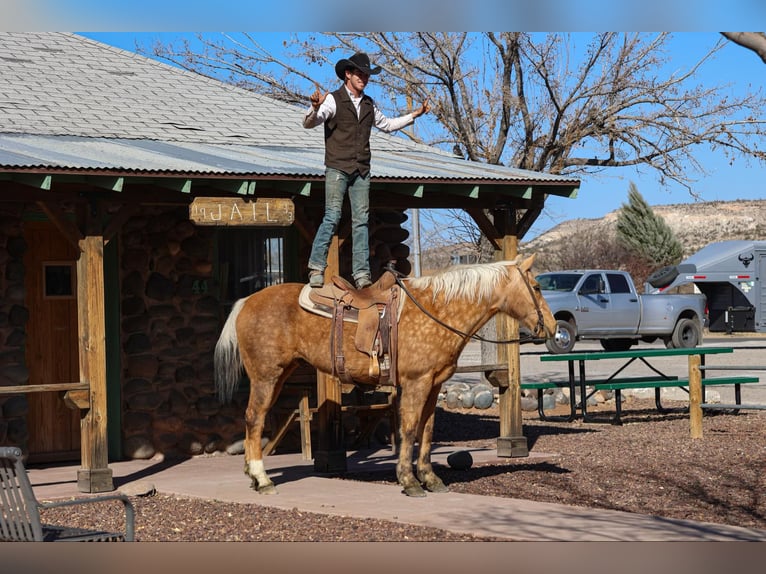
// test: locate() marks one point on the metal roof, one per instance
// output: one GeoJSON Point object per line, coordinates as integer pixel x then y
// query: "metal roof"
{"type": "Point", "coordinates": [70, 104]}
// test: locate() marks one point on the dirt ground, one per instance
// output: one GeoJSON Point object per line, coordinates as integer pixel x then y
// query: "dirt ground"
{"type": "Point", "coordinates": [649, 465]}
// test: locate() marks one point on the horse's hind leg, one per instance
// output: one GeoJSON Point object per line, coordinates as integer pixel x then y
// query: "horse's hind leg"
{"type": "Point", "coordinates": [264, 390]}
{"type": "Point", "coordinates": [426, 473]}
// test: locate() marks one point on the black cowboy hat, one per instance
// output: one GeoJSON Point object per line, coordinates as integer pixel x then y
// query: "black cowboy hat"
{"type": "Point", "coordinates": [359, 61]}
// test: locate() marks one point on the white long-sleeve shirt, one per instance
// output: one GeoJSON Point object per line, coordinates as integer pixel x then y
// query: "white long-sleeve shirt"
{"type": "Point", "coordinates": [314, 118]}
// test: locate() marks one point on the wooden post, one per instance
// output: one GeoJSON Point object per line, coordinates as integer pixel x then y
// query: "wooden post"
{"type": "Point", "coordinates": [331, 452]}
{"type": "Point", "coordinates": [511, 442]}
{"type": "Point", "coordinates": [695, 396]}
{"type": "Point", "coordinates": [94, 474]}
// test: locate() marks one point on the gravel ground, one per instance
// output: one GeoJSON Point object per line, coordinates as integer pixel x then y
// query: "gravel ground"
{"type": "Point", "coordinates": [649, 465]}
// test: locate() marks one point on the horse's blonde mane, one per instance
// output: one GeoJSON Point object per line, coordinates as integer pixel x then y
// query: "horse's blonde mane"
{"type": "Point", "coordinates": [476, 281]}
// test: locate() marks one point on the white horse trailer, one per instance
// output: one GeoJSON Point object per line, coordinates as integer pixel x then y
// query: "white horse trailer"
{"type": "Point", "coordinates": [732, 275]}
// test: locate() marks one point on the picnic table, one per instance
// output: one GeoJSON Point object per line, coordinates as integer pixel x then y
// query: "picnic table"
{"type": "Point", "coordinates": [695, 383]}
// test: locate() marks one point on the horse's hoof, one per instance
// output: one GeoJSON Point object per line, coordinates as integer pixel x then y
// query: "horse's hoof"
{"type": "Point", "coordinates": [437, 487]}
{"type": "Point", "coordinates": [415, 491]}
{"type": "Point", "coordinates": [268, 489]}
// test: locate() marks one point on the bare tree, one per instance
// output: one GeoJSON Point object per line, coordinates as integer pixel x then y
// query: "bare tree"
{"type": "Point", "coordinates": [534, 101]}
{"type": "Point", "coordinates": [453, 237]}
{"type": "Point", "coordinates": [755, 41]}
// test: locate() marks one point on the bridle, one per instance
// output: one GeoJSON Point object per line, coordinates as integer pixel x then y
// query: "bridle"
{"type": "Point", "coordinates": [540, 327]}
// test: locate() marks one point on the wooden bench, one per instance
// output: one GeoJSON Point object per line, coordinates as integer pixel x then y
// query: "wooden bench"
{"type": "Point", "coordinates": [20, 509]}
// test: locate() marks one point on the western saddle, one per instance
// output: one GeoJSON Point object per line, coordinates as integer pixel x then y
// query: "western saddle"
{"type": "Point", "coordinates": [374, 309]}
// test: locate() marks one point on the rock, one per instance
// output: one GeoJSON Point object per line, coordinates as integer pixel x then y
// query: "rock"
{"type": "Point", "coordinates": [466, 399]}
{"type": "Point", "coordinates": [460, 460]}
{"type": "Point", "coordinates": [138, 488]}
{"type": "Point", "coordinates": [483, 399]}
{"type": "Point", "coordinates": [528, 404]}
{"type": "Point", "coordinates": [237, 447]}
{"type": "Point", "coordinates": [549, 402]}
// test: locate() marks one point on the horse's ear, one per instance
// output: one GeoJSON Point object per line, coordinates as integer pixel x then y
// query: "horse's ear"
{"type": "Point", "coordinates": [527, 263]}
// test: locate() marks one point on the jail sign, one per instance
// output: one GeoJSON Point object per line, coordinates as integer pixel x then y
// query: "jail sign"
{"type": "Point", "coordinates": [233, 211]}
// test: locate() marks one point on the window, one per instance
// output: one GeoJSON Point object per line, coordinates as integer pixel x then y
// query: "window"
{"type": "Point", "coordinates": [250, 259]}
{"type": "Point", "coordinates": [58, 280]}
{"type": "Point", "coordinates": [618, 283]}
{"type": "Point", "coordinates": [592, 284]}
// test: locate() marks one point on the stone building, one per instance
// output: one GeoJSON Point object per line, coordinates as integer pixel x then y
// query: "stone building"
{"type": "Point", "coordinates": [102, 154]}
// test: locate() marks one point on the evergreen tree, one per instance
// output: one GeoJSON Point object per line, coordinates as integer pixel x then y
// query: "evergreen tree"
{"type": "Point", "coordinates": [646, 234]}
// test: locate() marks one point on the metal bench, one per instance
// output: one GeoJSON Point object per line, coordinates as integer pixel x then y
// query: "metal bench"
{"type": "Point", "coordinates": [20, 509]}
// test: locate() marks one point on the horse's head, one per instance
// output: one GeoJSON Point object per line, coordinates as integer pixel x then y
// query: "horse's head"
{"type": "Point", "coordinates": [527, 304]}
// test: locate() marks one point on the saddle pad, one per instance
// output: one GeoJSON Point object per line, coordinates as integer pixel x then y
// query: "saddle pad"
{"type": "Point", "coordinates": [309, 305]}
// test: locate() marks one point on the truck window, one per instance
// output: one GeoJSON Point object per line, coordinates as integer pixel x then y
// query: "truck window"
{"type": "Point", "coordinates": [592, 284]}
{"type": "Point", "coordinates": [558, 281]}
{"type": "Point", "coordinates": [617, 283]}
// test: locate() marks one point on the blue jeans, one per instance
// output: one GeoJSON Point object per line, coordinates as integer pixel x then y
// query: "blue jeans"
{"type": "Point", "coordinates": [337, 183]}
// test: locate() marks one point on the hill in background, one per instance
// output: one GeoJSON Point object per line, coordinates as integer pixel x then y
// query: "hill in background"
{"type": "Point", "coordinates": [695, 225]}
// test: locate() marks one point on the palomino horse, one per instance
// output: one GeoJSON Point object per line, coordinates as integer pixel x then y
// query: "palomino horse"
{"type": "Point", "coordinates": [268, 332]}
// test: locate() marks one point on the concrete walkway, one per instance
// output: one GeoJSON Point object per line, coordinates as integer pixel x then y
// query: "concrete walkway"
{"type": "Point", "coordinates": [221, 478]}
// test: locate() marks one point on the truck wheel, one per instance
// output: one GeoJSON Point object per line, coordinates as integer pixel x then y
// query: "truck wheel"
{"type": "Point", "coordinates": [662, 276]}
{"type": "Point", "coordinates": [564, 340]}
{"type": "Point", "coordinates": [687, 334]}
{"type": "Point", "coordinates": [616, 344]}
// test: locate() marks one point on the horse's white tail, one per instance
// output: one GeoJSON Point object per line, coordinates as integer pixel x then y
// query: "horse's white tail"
{"type": "Point", "coordinates": [227, 360]}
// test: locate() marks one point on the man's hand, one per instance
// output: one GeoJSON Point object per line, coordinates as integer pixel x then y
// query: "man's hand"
{"type": "Point", "coordinates": [424, 109]}
{"type": "Point", "coordinates": [317, 98]}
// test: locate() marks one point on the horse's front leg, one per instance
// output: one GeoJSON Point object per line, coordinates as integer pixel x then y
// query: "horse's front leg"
{"type": "Point", "coordinates": [426, 473]}
{"type": "Point", "coordinates": [412, 400]}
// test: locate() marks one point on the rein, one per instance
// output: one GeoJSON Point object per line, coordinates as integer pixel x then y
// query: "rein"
{"type": "Point", "coordinates": [540, 322]}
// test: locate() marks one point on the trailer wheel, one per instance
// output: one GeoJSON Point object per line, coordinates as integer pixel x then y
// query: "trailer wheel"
{"type": "Point", "coordinates": [564, 339]}
{"type": "Point", "coordinates": [662, 276]}
{"type": "Point", "coordinates": [687, 334]}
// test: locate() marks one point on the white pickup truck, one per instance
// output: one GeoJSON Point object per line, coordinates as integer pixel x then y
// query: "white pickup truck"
{"type": "Point", "coordinates": [604, 305]}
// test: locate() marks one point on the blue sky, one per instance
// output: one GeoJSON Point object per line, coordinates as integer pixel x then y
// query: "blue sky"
{"type": "Point", "coordinates": [143, 22]}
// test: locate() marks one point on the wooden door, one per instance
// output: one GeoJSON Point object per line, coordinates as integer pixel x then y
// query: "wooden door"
{"type": "Point", "coordinates": [52, 341]}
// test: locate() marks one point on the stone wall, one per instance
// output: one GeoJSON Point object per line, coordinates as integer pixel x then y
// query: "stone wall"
{"type": "Point", "coordinates": [170, 323]}
{"type": "Point", "coordinates": [13, 320]}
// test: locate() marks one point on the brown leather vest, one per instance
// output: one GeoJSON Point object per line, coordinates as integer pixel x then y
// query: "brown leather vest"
{"type": "Point", "coordinates": [347, 138]}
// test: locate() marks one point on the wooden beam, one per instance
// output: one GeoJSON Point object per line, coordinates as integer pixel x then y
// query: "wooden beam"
{"type": "Point", "coordinates": [182, 185]}
{"type": "Point", "coordinates": [110, 183]}
{"type": "Point", "coordinates": [528, 219]}
{"type": "Point", "coordinates": [118, 220]}
{"type": "Point", "coordinates": [413, 190]}
{"type": "Point", "coordinates": [65, 225]}
{"type": "Point", "coordinates": [486, 226]}
{"type": "Point", "coordinates": [511, 442]}
{"type": "Point", "coordinates": [331, 452]}
{"type": "Point", "coordinates": [94, 474]}
{"type": "Point", "coordinates": [43, 388]}
{"type": "Point", "coordinates": [38, 181]}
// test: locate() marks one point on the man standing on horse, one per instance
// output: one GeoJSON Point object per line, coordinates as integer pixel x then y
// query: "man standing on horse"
{"type": "Point", "coordinates": [348, 115]}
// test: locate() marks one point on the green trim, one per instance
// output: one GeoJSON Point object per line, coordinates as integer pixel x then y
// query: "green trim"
{"type": "Point", "coordinates": [113, 356]}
